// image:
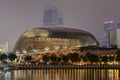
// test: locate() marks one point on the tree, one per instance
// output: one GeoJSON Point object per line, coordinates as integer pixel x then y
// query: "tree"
{"type": "Point", "coordinates": [53, 57]}
{"type": "Point", "coordinates": [12, 56]}
{"type": "Point", "coordinates": [3, 57]}
{"type": "Point", "coordinates": [59, 59]}
{"type": "Point", "coordinates": [111, 58]}
{"type": "Point", "coordinates": [46, 58]}
{"type": "Point", "coordinates": [74, 57]}
{"type": "Point", "coordinates": [84, 58]}
{"type": "Point", "coordinates": [118, 58]}
{"type": "Point", "coordinates": [65, 58]}
{"type": "Point", "coordinates": [105, 59]}
{"type": "Point", "coordinates": [92, 57]}
{"type": "Point", "coordinates": [28, 58]}
{"type": "Point", "coordinates": [118, 52]}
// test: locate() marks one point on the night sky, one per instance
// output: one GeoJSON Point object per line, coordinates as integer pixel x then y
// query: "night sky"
{"type": "Point", "coordinates": [16, 16]}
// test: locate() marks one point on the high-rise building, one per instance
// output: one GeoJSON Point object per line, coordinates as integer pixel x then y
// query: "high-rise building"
{"type": "Point", "coordinates": [108, 27]}
{"type": "Point", "coordinates": [115, 38]}
{"type": "Point", "coordinates": [52, 17]}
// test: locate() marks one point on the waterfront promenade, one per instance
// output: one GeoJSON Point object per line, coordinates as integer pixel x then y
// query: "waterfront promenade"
{"type": "Point", "coordinates": [61, 72]}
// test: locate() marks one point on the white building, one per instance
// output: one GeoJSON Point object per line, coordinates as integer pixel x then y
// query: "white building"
{"type": "Point", "coordinates": [115, 38]}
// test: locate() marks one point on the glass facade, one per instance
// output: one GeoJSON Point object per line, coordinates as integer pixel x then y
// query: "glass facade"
{"type": "Point", "coordinates": [53, 38]}
{"type": "Point", "coordinates": [52, 17]}
{"type": "Point", "coordinates": [108, 27]}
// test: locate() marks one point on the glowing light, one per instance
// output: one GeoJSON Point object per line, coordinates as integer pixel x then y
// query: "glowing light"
{"type": "Point", "coordinates": [47, 48]}
{"type": "Point", "coordinates": [24, 51]}
{"type": "Point", "coordinates": [110, 21]}
{"type": "Point", "coordinates": [106, 22]}
{"type": "Point", "coordinates": [1, 50]}
{"type": "Point", "coordinates": [56, 47]}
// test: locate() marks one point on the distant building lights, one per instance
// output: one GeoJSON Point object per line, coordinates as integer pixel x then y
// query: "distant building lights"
{"type": "Point", "coordinates": [110, 21]}
{"type": "Point", "coordinates": [106, 22]}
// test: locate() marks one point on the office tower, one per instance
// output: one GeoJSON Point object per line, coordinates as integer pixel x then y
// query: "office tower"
{"type": "Point", "coordinates": [52, 17]}
{"type": "Point", "coordinates": [108, 27]}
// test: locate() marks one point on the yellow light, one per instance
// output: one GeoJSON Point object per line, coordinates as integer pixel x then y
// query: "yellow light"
{"type": "Point", "coordinates": [2, 50]}
{"type": "Point", "coordinates": [106, 22]}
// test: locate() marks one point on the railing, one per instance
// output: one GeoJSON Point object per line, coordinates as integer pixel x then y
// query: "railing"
{"type": "Point", "coordinates": [31, 66]}
{"type": "Point", "coordinates": [58, 66]}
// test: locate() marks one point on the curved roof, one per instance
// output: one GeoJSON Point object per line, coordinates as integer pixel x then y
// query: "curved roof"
{"type": "Point", "coordinates": [42, 37]}
{"type": "Point", "coordinates": [63, 29]}
{"type": "Point", "coordinates": [56, 32]}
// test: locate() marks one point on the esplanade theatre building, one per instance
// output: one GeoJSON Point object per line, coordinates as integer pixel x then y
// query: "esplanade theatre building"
{"type": "Point", "coordinates": [53, 38]}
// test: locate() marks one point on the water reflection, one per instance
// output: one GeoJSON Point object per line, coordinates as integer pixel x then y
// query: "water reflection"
{"type": "Point", "coordinates": [63, 74]}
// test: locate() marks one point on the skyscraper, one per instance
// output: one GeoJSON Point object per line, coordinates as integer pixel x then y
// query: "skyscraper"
{"type": "Point", "coordinates": [108, 27]}
{"type": "Point", "coordinates": [52, 17]}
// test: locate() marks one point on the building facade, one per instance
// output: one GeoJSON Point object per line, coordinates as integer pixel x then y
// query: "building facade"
{"type": "Point", "coordinates": [115, 38]}
{"type": "Point", "coordinates": [53, 38]}
{"type": "Point", "coordinates": [108, 27]}
{"type": "Point", "coordinates": [52, 17]}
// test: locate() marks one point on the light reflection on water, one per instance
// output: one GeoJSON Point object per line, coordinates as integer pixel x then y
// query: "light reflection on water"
{"type": "Point", "coordinates": [63, 74]}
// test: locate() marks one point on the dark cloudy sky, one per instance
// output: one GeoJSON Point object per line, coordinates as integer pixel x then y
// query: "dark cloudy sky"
{"type": "Point", "coordinates": [16, 16]}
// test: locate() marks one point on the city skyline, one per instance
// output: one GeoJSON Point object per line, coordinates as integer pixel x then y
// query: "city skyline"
{"type": "Point", "coordinates": [18, 16]}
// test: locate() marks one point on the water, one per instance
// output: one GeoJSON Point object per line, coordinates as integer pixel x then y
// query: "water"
{"type": "Point", "coordinates": [63, 74]}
